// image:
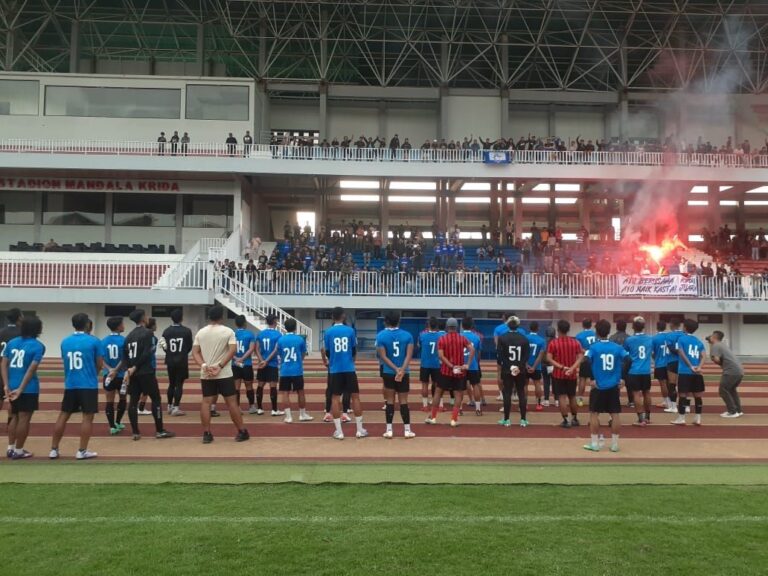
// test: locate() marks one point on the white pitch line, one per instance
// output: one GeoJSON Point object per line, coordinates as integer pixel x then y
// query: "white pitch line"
{"type": "Point", "coordinates": [523, 518]}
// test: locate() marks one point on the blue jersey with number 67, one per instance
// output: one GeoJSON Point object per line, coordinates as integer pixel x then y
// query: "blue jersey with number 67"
{"type": "Point", "coordinates": [291, 350]}
{"type": "Point", "coordinates": [606, 359]}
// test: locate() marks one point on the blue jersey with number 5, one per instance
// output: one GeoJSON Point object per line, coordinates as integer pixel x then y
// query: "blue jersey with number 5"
{"type": "Point", "coordinates": [606, 359]}
{"type": "Point", "coordinates": [339, 343]}
{"type": "Point", "coordinates": [291, 350]}
{"type": "Point", "coordinates": [395, 343]}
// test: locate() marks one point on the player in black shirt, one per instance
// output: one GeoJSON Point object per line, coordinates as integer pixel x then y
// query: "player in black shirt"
{"type": "Point", "coordinates": [8, 333]}
{"type": "Point", "coordinates": [139, 357]}
{"type": "Point", "coordinates": [512, 350]}
{"type": "Point", "coordinates": [177, 343]}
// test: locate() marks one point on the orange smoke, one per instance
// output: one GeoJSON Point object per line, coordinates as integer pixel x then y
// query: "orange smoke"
{"type": "Point", "coordinates": [658, 253]}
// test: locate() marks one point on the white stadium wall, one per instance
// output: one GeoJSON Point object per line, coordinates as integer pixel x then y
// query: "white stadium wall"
{"type": "Point", "coordinates": [463, 116]}
{"type": "Point", "coordinates": [525, 121]}
{"type": "Point", "coordinates": [570, 124]}
{"type": "Point", "coordinates": [417, 124]}
{"type": "Point", "coordinates": [352, 121]}
{"type": "Point", "coordinates": [297, 115]}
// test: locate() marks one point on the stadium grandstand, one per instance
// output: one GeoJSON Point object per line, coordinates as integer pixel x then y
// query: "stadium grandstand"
{"type": "Point", "coordinates": [213, 189]}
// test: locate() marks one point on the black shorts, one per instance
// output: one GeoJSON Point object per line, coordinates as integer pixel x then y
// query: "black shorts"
{"type": "Point", "coordinates": [585, 370]}
{"type": "Point", "coordinates": [451, 383]}
{"type": "Point", "coordinates": [178, 373]}
{"type": "Point", "coordinates": [291, 383]}
{"type": "Point", "coordinates": [535, 375]}
{"type": "Point", "coordinates": [85, 400]}
{"type": "Point", "coordinates": [673, 367]}
{"type": "Point", "coordinates": [401, 387]}
{"type": "Point", "coordinates": [223, 386]}
{"type": "Point", "coordinates": [660, 374]}
{"type": "Point", "coordinates": [244, 373]}
{"type": "Point", "coordinates": [690, 383]}
{"type": "Point", "coordinates": [143, 384]}
{"type": "Point", "coordinates": [25, 403]}
{"type": "Point", "coordinates": [625, 372]}
{"type": "Point", "coordinates": [427, 374]}
{"type": "Point", "coordinates": [474, 377]}
{"type": "Point", "coordinates": [639, 382]}
{"type": "Point", "coordinates": [515, 381]}
{"type": "Point", "coordinates": [343, 383]}
{"type": "Point", "coordinates": [606, 401]}
{"type": "Point", "coordinates": [563, 387]}
{"type": "Point", "coordinates": [267, 374]}
{"type": "Point", "coordinates": [114, 385]}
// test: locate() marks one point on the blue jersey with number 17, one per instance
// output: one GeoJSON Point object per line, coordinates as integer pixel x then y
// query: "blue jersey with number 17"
{"type": "Point", "coordinates": [693, 348]}
{"type": "Point", "coordinates": [339, 343]}
{"type": "Point", "coordinates": [395, 343]}
{"type": "Point", "coordinates": [291, 350]}
{"type": "Point", "coordinates": [112, 352]}
{"type": "Point", "coordinates": [80, 351]}
{"type": "Point", "coordinates": [586, 338]}
{"type": "Point", "coordinates": [428, 342]}
{"type": "Point", "coordinates": [639, 347]}
{"type": "Point", "coordinates": [606, 359]}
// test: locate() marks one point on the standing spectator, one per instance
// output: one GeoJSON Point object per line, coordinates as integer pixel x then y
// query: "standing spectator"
{"type": "Point", "coordinates": [231, 143]}
{"type": "Point", "coordinates": [174, 143]}
{"type": "Point", "coordinates": [161, 144]}
{"type": "Point", "coordinates": [184, 144]}
{"type": "Point", "coordinates": [247, 143]}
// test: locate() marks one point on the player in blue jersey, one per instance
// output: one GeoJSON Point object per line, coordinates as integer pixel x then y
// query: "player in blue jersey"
{"type": "Point", "coordinates": [292, 349]}
{"type": "Point", "coordinates": [607, 360]}
{"type": "Point", "coordinates": [82, 358]}
{"type": "Point", "coordinates": [640, 348]}
{"type": "Point", "coordinates": [242, 363]}
{"type": "Point", "coordinates": [661, 356]}
{"type": "Point", "coordinates": [538, 349]}
{"type": "Point", "coordinates": [112, 347]}
{"type": "Point", "coordinates": [20, 359]}
{"type": "Point", "coordinates": [500, 330]}
{"type": "Point", "coordinates": [430, 362]}
{"type": "Point", "coordinates": [267, 372]}
{"type": "Point", "coordinates": [674, 360]}
{"type": "Point", "coordinates": [338, 353]}
{"type": "Point", "coordinates": [395, 350]}
{"type": "Point", "coordinates": [690, 350]}
{"type": "Point", "coordinates": [586, 338]}
{"type": "Point", "coordinates": [474, 374]}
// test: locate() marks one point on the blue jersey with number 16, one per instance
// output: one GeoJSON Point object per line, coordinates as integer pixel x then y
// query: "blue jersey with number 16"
{"type": "Point", "coordinates": [339, 343]}
{"type": "Point", "coordinates": [291, 350]}
{"type": "Point", "coordinates": [80, 352]}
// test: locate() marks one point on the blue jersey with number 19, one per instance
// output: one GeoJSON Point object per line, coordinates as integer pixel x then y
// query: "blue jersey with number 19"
{"type": "Point", "coordinates": [693, 349]}
{"type": "Point", "coordinates": [291, 350]}
{"type": "Point", "coordinates": [428, 343]}
{"type": "Point", "coordinates": [639, 347]}
{"type": "Point", "coordinates": [607, 359]}
{"type": "Point", "coordinates": [80, 351]}
{"type": "Point", "coordinates": [339, 343]}
{"type": "Point", "coordinates": [112, 351]}
{"type": "Point", "coordinates": [395, 342]}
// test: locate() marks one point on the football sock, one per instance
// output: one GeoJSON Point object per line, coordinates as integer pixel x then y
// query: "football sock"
{"type": "Point", "coordinates": [110, 412]}
{"type": "Point", "coordinates": [390, 415]}
{"type": "Point", "coordinates": [405, 414]}
{"type": "Point", "coordinates": [260, 399]}
{"type": "Point", "coordinates": [251, 395]}
{"type": "Point", "coordinates": [359, 423]}
{"type": "Point", "coordinates": [337, 424]}
{"type": "Point", "coordinates": [122, 405]}
{"type": "Point", "coordinates": [273, 397]}
{"type": "Point", "coordinates": [699, 402]}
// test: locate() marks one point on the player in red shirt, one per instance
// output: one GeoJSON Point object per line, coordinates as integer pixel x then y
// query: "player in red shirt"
{"type": "Point", "coordinates": [453, 369]}
{"type": "Point", "coordinates": [563, 352]}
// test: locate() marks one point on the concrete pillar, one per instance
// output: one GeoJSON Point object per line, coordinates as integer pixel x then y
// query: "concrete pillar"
{"type": "Point", "coordinates": [585, 216]}
{"type": "Point", "coordinates": [443, 123]}
{"type": "Point", "coordinates": [265, 125]}
{"type": "Point", "coordinates": [38, 217]}
{"type": "Point", "coordinates": [623, 111]}
{"type": "Point", "coordinates": [109, 209]}
{"type": "Point", "coordinates": [551, 121]}
{"type": "Point", "coordinates": [552, 214]}
{"type": "Point", "coordinates": [246, 212]}
{"type": "Point", "coordinates": [383, 215]}
{"type": "Point", "coordinates": [738, 135]}
{"type": "Point", "coordinates": [320, 208]}
{"type": "Point", "coordinates": [200, 46]}
{"type": "Point", "coordinates": [323, 111]}
{"type": "Point", "coordinates": [518, 215]}
{"type": "Point", "coordinates": [10, 49]}
{"type": "Point", "coordinates": [178, 242]}
{"type": "Point", "coordinates": [740, 217]}
{"type": "Point", "coordinates": [450, 212]}
{"type": "Point", "coordinates": [74, 49]}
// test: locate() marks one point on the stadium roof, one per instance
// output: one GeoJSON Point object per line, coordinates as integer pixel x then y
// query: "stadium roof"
{"type": "Point", "coordinates": [579, 45]}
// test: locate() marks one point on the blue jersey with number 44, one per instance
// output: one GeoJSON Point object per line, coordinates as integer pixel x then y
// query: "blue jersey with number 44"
{"type": "Point", "coordinates": [21, 352]}
{"type": "Point", "coordinates": [693, 348]}
{"type": "Point", "coordinates": [112, 352]}
{"type": "Point", "coordinates": [339, 343]}
{"type": "Point", "coordinates": [606, 359]}
{"type": "Point", "coordinates": [395, 343]}
{"type": "Point", "coordinates": [428, 342]}
{"type": "Point", "coordinates": [640, 347]}
{"type": "Point", "coordinates": [291, 350]}
{"type": "Point", "coordinates": [80, 351]}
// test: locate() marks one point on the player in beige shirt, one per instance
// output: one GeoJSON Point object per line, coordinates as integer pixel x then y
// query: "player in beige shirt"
{"type": "Point", "coordinates": [213, 348]}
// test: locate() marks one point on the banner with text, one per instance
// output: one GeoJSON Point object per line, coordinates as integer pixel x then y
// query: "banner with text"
{"type": "Point", "coordinates": [658, 286]}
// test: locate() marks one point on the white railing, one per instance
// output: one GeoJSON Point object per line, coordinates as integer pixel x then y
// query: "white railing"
{"type": "Point", "coordinates": [474, 284]}
{"type": "Point", "coordinates": [253, 303]}
{"type": "Point", "coordinates": [230, 249]}
{"type": "Point", "coordinates": [103, 275]}
{"type": "Point", "coordinates": [354, 154]}
{"type": "Point", "coordinates": [208, 246]}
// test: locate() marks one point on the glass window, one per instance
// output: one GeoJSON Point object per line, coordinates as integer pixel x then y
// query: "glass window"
{"type": "Point", "coordinates": [101, 102]}
{"type": "Point", "coordinates": [144, 210]}
{"type": "Point", "coordinates": [19, 97]}
{"type": "Point", "coordinates": [208, 211]}
{"type": "Point", "coordinates": [206, 102]}
{"type": "Point", "coordinates": [17, 207]}
{"type": "Point", "coordinates": [81, 209]}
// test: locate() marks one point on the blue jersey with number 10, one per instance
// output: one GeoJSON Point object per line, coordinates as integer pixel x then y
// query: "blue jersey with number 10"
{"type": "Point", "coordinates": [112, 351]}
{"type": "Point", "coordinates": [428, 342]}
{"type": "Point", "coordinates": [80, 352]}
{"type": "Point", "coordinates": [291, 350]}
{"type": "Point", "coordinates": [639, 347]}
{"type": "Point", "coordinates": [395, 343]}
{"type": "Point", "coordinates": [607, 359]}
{"type": "Point", "coordinates": [339, 343]}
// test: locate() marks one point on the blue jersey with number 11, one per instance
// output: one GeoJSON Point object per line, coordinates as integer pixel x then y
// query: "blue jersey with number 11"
{"type": "Point", "coordinates": [339, 343]}
{"type": "Point", "coordinates": [291, 350]}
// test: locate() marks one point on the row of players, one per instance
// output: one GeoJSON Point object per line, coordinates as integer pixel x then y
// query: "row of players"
{"type": "Point", "coordinates": [448, 359]}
